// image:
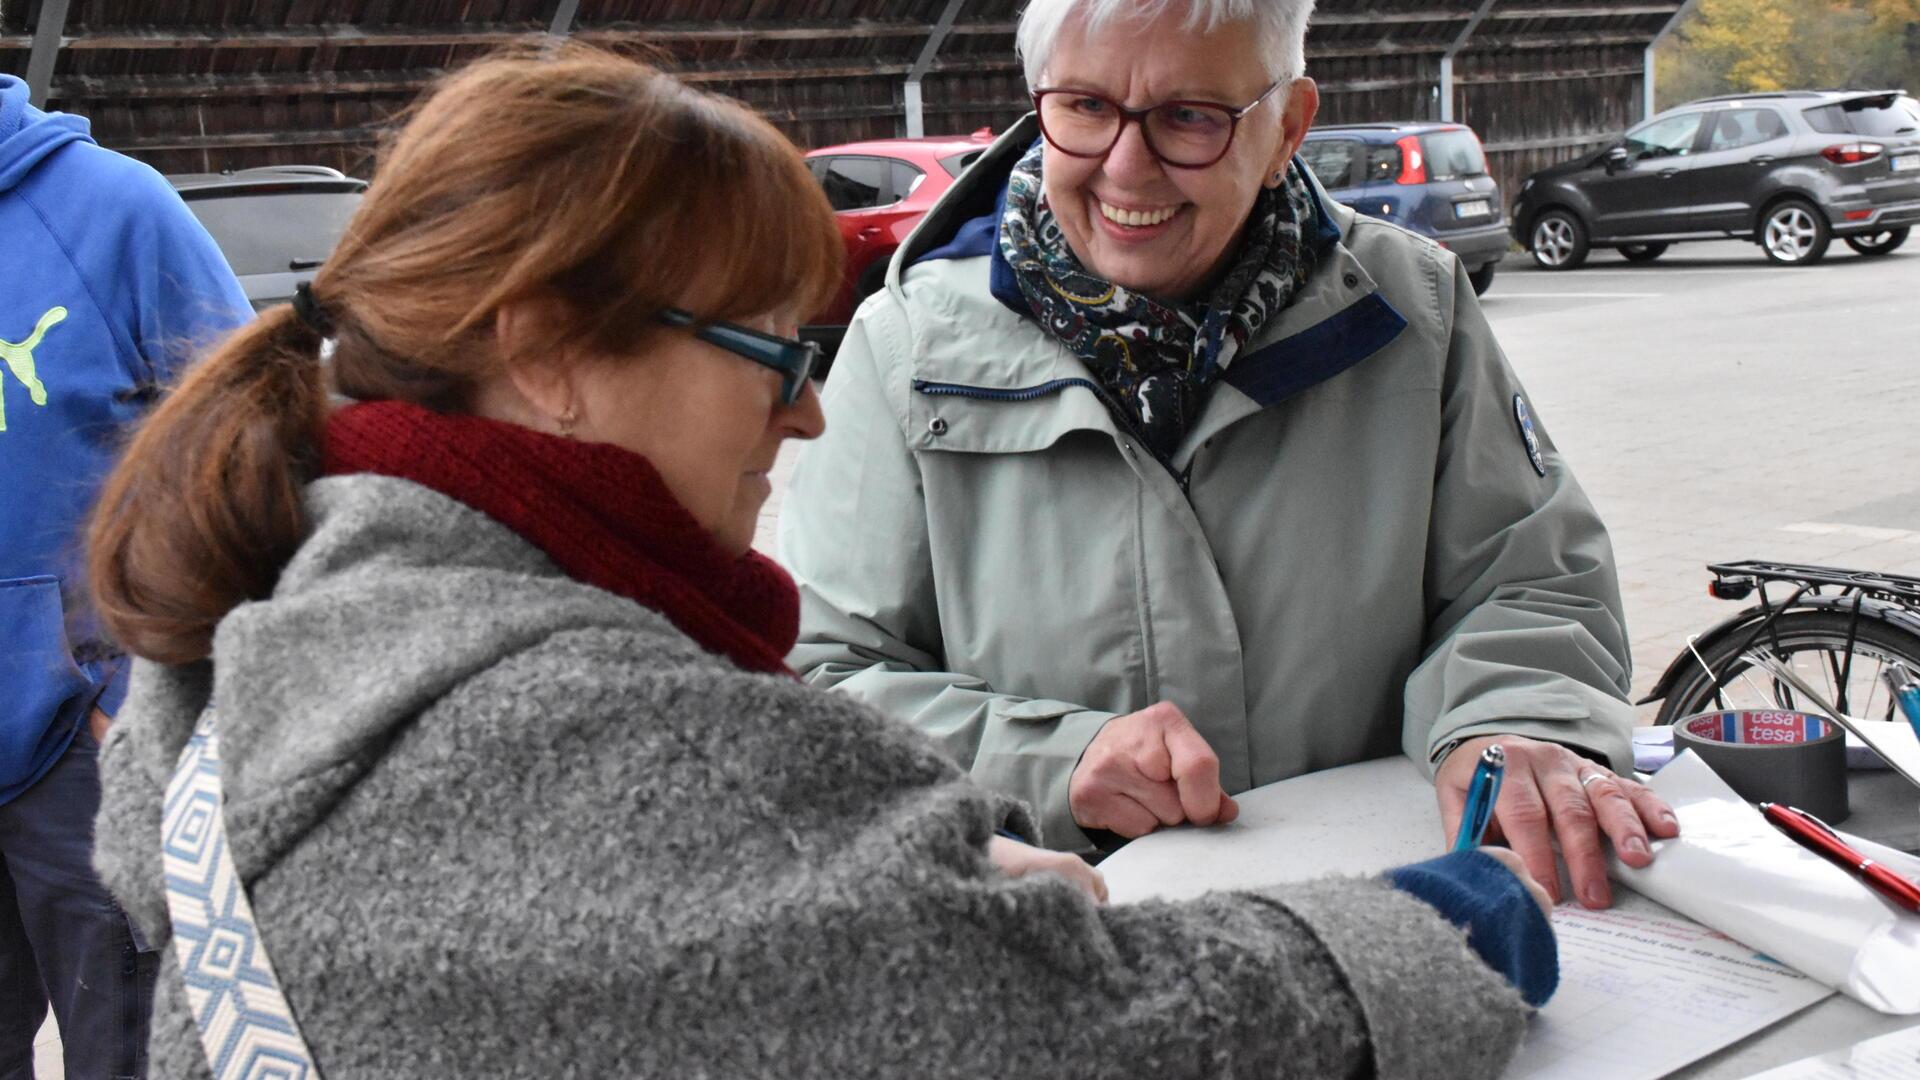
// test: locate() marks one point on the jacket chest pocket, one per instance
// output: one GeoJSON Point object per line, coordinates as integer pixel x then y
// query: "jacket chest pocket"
{"type": "Point", "coordinates": [1037, 562]}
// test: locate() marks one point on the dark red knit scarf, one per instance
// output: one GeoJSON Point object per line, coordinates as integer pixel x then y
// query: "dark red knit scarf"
{"type": "Point", "coordinates": [601, 513]}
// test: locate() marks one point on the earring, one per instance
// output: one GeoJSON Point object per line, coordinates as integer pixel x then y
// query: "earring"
{"type": "Point", "coordinates": [567, 420]}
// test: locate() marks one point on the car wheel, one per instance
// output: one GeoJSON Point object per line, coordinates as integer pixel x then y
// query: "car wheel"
{"type": "Point", "coordinates": [1795, 233]}
{"type": "Point", "coordinates": [1559, 241]}
{"type": "Point", "coordinates": [1482, 278]}
{"type": "Point", "coordinates": [1880, 243]}
{"type": "Point", "coordinates": [1642, 252]}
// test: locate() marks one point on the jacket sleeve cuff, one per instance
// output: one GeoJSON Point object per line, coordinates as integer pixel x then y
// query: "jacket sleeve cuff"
{"type": "Point", "coordinates": [1424, 992]}
{"type": "Point", "coordinates": [1471, 890]}
{"type": "Point", "coordinates": [1601, 730]}
{"type": "Point", "coordinates": [1033, 758]}
{"type": "Point", "coordinates": [1011, 817]}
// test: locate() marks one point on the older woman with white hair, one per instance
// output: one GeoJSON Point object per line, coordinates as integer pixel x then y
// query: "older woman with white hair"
{"type": "Point", "coordinates": [1153, 475]}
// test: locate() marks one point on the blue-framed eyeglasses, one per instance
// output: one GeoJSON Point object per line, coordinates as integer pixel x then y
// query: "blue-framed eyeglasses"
{"type": "Point", "coordinates": [794, 360]}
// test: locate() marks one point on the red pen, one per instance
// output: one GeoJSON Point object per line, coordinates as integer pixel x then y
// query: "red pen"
{"type": "Point", "coordinates": [1814, 835]}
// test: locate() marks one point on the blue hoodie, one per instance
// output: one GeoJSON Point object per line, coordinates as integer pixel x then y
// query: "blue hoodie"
{"type": "Point", "coordinates": [107, 285]}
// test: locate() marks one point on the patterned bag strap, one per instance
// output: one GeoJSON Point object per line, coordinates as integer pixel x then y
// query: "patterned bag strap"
{"type": "Point", "coordinates": [246, 1026]}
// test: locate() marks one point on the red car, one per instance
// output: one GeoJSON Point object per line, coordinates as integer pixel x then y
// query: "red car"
{"type": "Point", "coordinates": [879, 190]}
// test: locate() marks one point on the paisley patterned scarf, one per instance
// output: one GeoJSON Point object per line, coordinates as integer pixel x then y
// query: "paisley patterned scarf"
{"type": "Point", "coordinates": [1157, 359]}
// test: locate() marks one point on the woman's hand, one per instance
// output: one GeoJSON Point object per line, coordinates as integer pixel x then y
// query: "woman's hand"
{"type": "Point", "coordinates": [1552, 793]}
{"type": "Point", "coordinates": [1508, 859]}
{"type": "Point", "coordinates": [1148, 769]}
{"type": "Point", "coordinates": [1016, 859]}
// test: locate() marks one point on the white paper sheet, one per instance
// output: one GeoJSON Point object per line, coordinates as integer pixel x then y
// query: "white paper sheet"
{"type": "Point", "coordinates": [1895, 743]}
{"type": "Point", "coordinates": [1732, 871]}
{"type": "Point", "coordinates": [1611, 1008]}
{"type": "Point", "coordinates": [1889, 1057]}
{"type": "Point", "coordinates": [1644, 992]}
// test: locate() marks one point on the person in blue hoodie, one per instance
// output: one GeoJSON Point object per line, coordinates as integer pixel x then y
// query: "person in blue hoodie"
{"type": "Point", "coordinates": [108, 285]}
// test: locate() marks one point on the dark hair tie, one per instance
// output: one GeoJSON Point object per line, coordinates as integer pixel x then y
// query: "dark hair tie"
{"type": "Point", "coordinates": [310, 311]}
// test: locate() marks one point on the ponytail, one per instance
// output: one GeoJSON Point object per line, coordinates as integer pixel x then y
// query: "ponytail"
{"type": "Point", "coordinates": [203, 510]}
{"type": "Point", "coordinates": [564, 170]}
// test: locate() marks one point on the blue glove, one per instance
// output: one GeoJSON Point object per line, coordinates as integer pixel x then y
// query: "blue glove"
{"type": "Point", "coordinates": [1472, 890]}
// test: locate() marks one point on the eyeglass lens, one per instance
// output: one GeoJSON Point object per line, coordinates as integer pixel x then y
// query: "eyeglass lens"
{"type": "Point", "coordinates": [1180, 133]}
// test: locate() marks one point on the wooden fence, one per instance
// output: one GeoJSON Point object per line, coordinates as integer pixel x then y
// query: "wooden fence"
{"type": "Point", "coordinates": [207, 85]}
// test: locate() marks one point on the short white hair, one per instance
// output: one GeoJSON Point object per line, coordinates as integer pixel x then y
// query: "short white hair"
{"type": "Point", "coordinates": [1279, 27]}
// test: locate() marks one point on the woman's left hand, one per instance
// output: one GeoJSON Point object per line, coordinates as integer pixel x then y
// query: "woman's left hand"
{"type": "Point", "coordinates": [1550, 793]}
{"type": "Point", "coordinates": [1016, 859]}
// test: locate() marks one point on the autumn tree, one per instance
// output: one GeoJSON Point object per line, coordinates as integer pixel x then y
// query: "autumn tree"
{"type": "Point", "coordinates": [1735, 46]}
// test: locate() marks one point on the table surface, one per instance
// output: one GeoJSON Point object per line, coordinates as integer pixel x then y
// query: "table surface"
{"type": "Point", "coordinates": [1359, 817]}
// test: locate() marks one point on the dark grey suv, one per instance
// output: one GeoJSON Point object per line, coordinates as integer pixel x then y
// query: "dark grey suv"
{"type": "Point", "coordinates": [1789, 171]}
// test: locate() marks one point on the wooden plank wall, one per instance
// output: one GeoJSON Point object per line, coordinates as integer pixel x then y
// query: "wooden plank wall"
{"type": "Point", "coordinates": [205, 85]}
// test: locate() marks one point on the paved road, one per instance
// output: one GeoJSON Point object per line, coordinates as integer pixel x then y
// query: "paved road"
{"type": "Point", "coordinates": [1718, 407]}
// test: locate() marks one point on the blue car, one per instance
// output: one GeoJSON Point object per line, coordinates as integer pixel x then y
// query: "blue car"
{"type": "Point", "coordinates": [1428, 177]}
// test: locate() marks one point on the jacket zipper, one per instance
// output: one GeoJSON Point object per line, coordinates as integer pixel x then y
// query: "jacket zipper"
{"type": "Point", "coordinates": [1027, 393]}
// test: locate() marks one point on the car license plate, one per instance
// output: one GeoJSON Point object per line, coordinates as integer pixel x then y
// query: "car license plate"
{"type": "Point", "coordinates": [1476, 208]}
{"type": "Point", "coordinates": [1906, 162]}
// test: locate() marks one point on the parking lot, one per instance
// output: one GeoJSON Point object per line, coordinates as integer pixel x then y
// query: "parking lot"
{"type": "Point", "coordinates": [1719, 407]}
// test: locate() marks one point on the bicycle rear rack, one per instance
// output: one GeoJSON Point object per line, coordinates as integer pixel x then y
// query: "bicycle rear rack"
{"type": "Point", "coordinates": [1739, 580]}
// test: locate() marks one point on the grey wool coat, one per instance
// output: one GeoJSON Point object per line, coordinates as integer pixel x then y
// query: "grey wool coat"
{"type": "Point", "coordinates": [498, 823]}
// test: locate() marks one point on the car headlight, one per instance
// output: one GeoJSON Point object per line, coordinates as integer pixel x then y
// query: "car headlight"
{"type": "Point", "coordinates": [1527, 183]}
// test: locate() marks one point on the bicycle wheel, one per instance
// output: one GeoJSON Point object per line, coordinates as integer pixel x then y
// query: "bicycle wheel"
{"type": "Point", "coordinates": [1813, 644]}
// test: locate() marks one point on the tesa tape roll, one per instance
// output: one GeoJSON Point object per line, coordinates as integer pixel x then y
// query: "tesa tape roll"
{"type": "Point", "coordinates": [1794, 758]}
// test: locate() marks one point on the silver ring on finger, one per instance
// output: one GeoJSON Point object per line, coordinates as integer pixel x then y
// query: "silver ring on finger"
{"type": "Point", "coordinates": [1594, 775]}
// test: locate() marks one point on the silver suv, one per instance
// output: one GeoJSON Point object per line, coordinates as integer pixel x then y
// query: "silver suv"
{"type": "Point", "coordinates": [275, 224]}
{"type": "Point", "coordinates": [1789, 171]}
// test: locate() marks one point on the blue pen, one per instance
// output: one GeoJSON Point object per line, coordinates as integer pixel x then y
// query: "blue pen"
{"type": "Point", "coordinates": [1482, 793]}
{"type": "Point", "coordinates": [1906, 691]}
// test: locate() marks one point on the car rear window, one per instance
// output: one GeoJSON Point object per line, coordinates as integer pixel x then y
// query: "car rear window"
{"type": "Point", "coordinates": [1332, 160]}
{"type": "Point", "coordinates": [1873, 117]}
{"type": "Point", "coordinates": [1453, 155]}
{"type": "Point", "coordinates": [865, 183]}
{"type": "Point", "coordinates": [1383, 163]}
{"type": "Point", "coordinates": [955, 164]}
{"type": "Point", "coordinates": [270, 232]}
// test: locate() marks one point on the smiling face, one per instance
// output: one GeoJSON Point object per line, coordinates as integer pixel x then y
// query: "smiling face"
{"type": "Point", "coordinates": [1150, 227]}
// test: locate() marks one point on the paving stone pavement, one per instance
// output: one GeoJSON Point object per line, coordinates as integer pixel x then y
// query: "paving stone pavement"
{"type": "Point", "coordinates": [1720, 407]}
{"type": "Point", "coordinates": [1715, 407]}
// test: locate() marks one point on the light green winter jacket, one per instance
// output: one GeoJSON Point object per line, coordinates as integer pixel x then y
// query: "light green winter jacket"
{"type": "Point", "coordinates": [1377, 546]}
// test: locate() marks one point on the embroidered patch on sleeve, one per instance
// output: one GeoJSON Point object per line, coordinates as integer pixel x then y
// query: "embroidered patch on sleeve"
{"type": "Point", "coordinates": [1527, 435]}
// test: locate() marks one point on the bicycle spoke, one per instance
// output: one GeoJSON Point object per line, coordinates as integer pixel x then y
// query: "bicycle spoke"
{"type": "Point", "coordinates": [1837, 683]}
{"type": "Point", "coordinates": [1772, 697]}
{"type": "Point", "coordinates": [1817, 647]}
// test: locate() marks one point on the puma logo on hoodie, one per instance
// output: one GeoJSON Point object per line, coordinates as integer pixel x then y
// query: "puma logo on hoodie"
{"type": "Point", "coordinates": [19, 360]}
